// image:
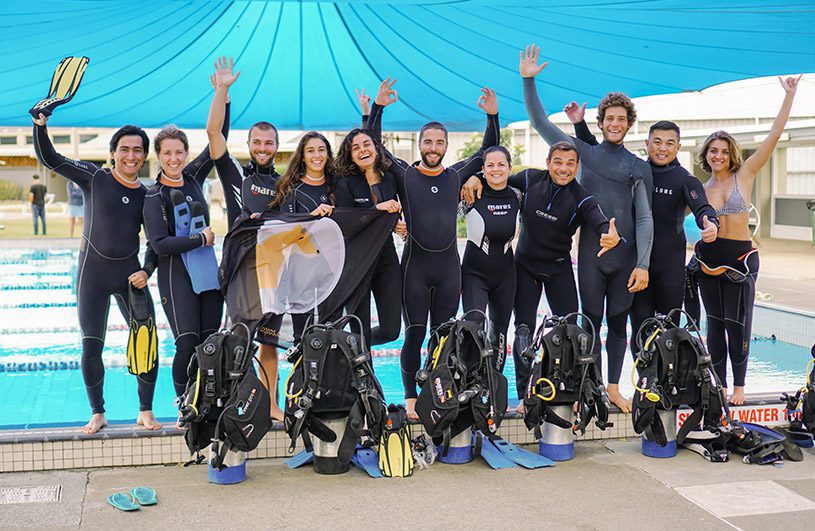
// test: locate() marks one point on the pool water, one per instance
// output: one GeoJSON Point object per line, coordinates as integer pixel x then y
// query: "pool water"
{"type": "Point", "coordinates": [40, 383]}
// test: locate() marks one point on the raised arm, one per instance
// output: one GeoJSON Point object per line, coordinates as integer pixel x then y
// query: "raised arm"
{"type": "Point", "coordinates": [488, 102]}
{"type": "Point", "coordinates": [221, 80]}
{"type": "Point", "coordinates": [757, 160]}
{"type": "Point", "coordinates": [385, 96]}
{"type": "Point", "coordinates": [576, 114]}
{"type": "Point", "coordinates": [77, 171]}
{"type": "Point", "coordinates": [364, 105]}
{"type": "Point", "coordinates": [530, 68]}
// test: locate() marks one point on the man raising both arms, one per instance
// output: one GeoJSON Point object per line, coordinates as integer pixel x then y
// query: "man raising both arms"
{"type": "Point", "coordinates": [622, 184]}
{"type": "Point", "coordinates": [247, 189]}
{"type": "Point", "coordinates": [429, 192]}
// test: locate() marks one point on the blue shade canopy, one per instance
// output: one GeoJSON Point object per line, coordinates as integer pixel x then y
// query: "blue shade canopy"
{"type": "Point", "coordinates": [301, 60]}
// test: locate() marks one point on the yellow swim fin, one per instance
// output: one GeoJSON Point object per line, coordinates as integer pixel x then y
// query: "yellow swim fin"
{"type": "Point", "coordinates": [64, 84]}
{"type": "Point", "coordinates": [142, 343]}
{"type": "Point", "coordinates": [395, 449]}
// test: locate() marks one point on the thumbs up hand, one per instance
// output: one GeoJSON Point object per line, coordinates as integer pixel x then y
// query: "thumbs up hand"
{"type": "Point", "coordinates": [709, 230]}
{"type": "Point", "coordinates": [610, 239]}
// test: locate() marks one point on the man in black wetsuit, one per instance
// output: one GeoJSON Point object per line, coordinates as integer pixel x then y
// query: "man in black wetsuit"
{"type": "Point", "coordinates": [108, 255]}
{"type": "Point", "coordinates": [430, 264]}
{"type": "Point", "coordinates": [622, 184]}
{"type": "Point", "coordinates": [248, 189]}
{"type": "Point", "coordinates": [675, 190]}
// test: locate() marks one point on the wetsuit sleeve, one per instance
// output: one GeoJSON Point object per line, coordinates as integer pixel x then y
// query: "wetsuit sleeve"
{"type": "Point", "coordinates": [492, 137]}
{"type": "Point", "coordinates": [374, 121]}
{"type": "Point", "coordinates": [77, 171]}
{"type": "Point", "coordinates": [592, 214]}
{"type": "Point", "coordinates": [697, 201]}
{"type": "Point", "coordinates": [201, 165]}
{"type": "Point", "coordinates": [365, 119]}
{"type": "Point", "coordinates": [342, 194]}
{"type": "Point", "coordinates": [230, 173]}
{"type": "Point", "coordinates": [155, 225]}
{"type": "Point", "coordinates": [581, 131]}
{"type": "Point", "coordinates": [150, 260]}
{"type": "Point", "coordinates": [374, 124]}
{"type": "Point", "coordinates": [644, 224]}
{"type": "Point", "coordinates": [519, 180]}
{"type": "Point", "coordinates": [537, 115]}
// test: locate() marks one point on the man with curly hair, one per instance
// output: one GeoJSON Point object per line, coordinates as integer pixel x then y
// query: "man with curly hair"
{"type": "Point", "coordinates": [622, 184]}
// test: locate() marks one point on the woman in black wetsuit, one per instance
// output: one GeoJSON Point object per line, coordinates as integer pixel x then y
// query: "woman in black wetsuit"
{"type": "Point", "coordinates": [365, 182]}
{"type": "Point", "coordinates": [307, 187]}
{"type": "Point", "coordinates": [192, 316]}
{"type": "Point", "coordinates": [729, 265]}
{"type": "Point", "coordinates": [488, 265]}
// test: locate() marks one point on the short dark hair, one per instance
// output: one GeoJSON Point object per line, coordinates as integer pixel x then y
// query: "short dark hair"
{"type": "Point", "coordinates": [129, 130]}
{"type": "Point", "coordinates": [433, 125]}
{"type": "Point", "coordinates": [36, 177]}
{"type": "Point", "coordinates": [664, 125]}
{"type": "Point", "coordinates": [500, 149]}
{"type": "Point", "coordinates": [265, 126]}
{"type": "Point", "coordinates": [562, 146]}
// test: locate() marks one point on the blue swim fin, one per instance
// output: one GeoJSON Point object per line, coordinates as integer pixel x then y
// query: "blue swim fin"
{"type": "Point", "coordinates": [201, 263]}
{"type": "Point", "coordinates": [302, 458]}
{"type": "Point", "coordinates": [493, 456]}
{"type": "Point", "coordinates": [368, 460]}
{"type": "Point", "coordinates": [181, 213]}
{"type": "Point", "coordinates": [520, 456]}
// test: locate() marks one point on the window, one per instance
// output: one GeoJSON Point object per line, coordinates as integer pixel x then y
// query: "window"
{"type": "Point", "coordinates": [8, 140]}
{"type": "Point", "coordinates": [86, 138]}
{"type": "Point", "coordinates": [62, 139]}
{"type": "Point", "coordinates": [29, 139]}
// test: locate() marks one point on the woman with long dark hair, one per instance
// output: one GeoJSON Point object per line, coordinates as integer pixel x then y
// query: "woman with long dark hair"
{"type": "Point", "coordinates": [729, 264]}
{"type": "Point", "coordinates": [365, 182]}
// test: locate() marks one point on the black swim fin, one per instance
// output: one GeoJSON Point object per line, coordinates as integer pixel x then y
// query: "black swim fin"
{"type": "Point", "coordinates": [64, 85]}
{"type": "Point", "coordinates": [142, 343]}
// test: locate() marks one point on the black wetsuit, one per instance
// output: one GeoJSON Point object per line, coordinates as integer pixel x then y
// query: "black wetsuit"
{"type": "Point", "coordinates": [192, 316]}
{"type": "Point", "coordinates": [431, 273]}
{"type": "Point", "coordinates": [386, 282]}
{"type": "Point", "coordinates": [488, 265]}
{"type": "Point", "coordinates": [550, 215]}
{"type": "Point", "coordinates": [675, 190]}
{"type": "Point", "coordinates": [249, 189]}
{"type": "Point", "coordinates": [622, 184]}
{"type": "Point", "coordinates": [108, 255]}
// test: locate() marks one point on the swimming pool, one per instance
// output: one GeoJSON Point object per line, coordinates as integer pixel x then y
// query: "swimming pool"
{"type": "Point", "coordinates": [41, 384]}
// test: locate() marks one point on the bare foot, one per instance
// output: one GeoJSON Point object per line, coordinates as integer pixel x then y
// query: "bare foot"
{"type": "Point", "coordinates": [276, 413]}
{"type": "Point", "coordinates": [520, 408]}
{"type": "Point", "coordinates": [148, 420]}
{"type": "Point", "coordinates": [617, 399]}
{"type": "Point", "coordinates": [178, 425]}
{"type": "Point", "coordinates": [737, 398]}
{"type": "Point", "coordinates": [410, 407]}
{"type": "Point", "coordinates": [96, 423]}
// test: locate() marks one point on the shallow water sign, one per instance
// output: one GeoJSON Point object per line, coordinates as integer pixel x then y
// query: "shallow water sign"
{"type": "Point", "coordinates": [39, 494]}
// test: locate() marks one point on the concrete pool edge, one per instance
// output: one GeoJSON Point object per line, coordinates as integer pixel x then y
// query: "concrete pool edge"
{"type": "Point", "coordinates": [125, 445]}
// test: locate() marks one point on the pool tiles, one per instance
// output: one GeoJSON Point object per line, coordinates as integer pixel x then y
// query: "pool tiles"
{"type": "Point", "coordinates": [171, 449]}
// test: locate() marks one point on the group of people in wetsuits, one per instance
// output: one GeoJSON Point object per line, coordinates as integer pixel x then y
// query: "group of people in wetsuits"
{"type": "Point", "coordinates": [631, 259]}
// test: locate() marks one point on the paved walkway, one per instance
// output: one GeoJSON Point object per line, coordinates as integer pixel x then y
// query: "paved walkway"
{"type": "Point", "coordinates": [608, 485]}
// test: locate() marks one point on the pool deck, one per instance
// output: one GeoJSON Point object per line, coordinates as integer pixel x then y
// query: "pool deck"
{"type": "Point", "coordinates": [609, 485]}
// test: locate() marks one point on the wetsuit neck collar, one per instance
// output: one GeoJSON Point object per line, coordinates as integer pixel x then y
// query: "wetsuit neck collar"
{"type": "Point", "coordinates": [666, 168]}
{"type": "Point", "coordinates": [427, 171]}
{"type": "Point", "coordinates": [552, 181]}
{"type": "Point", "coordinates": [610, 146]}
{"type": "Point", "coordinates": [489, 190]}
{"type": "Point", "coordinates": [262, 170]}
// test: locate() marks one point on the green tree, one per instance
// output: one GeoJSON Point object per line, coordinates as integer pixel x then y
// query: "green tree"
{"type": "Point", "coordinates": [474, 144]}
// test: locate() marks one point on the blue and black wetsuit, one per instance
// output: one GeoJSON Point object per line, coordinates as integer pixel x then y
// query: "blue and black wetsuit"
{"type": "Point", "coordinates": [550, 215]}
{"type": "Point", "coordinates": [675, 190]}
{"type": "Point", "coordinates": [431, 273]}
{"type": "Point", "coordinates": [386, 282]}
{"type": "Point", "coordinates": [488, 265]}
{"type": "Point", "coordinates": [192, 316]}
{"type": "Point", "coordinates": [249, 189]}
{"type": "Point", "coordinates": [622, 184]}
{"type": "Point", "coordinates": [108, 255]}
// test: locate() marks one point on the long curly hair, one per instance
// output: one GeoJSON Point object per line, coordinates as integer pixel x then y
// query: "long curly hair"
{"type": "Point", "coordinates": [296, 169]}
{"type": "Point", "coordinates": [344, 165]}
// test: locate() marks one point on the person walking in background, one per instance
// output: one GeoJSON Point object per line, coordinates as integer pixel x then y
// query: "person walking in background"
{"type": "Point", "coordinates": [76, 207]}
{"type": "Point", "coordinates": [36, 196]}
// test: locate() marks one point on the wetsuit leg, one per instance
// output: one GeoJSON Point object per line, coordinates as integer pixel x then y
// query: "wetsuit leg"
{"type": "Point", "coordinates": [93, 303]}
{"type": "Point", "coordinates": [738, 321]}
{"type": "Point", "coordinates": [501, 301]}
{"type": "Point", "coordinates": [145, 383]}
{"type": "Point", "coordinates": [386, 286]}
{"type": "Point", "coordinates": [416, 307]}
{"type": "Point", "coordinates": [618, 305]}
{"type": "Point", "coordinates": [527, 298]}
{"type": "Point", "coordinates": [710, 289]}
{"type": "Point", "coordinates": [211, 306]}
{"type": "Point", "coordinates": [641, 309]}
{"type": "Point", "coordinates": [592, 284]}
{"type": "Point", "coordinates": [561, 291]}
{"type": "Point", "coordinates": [363, 312]}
